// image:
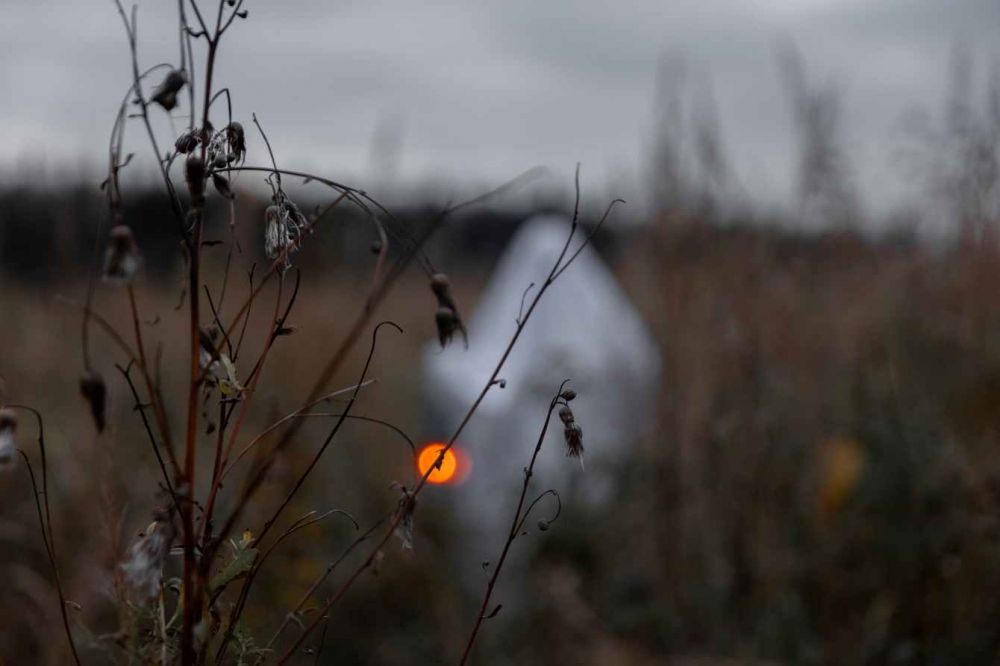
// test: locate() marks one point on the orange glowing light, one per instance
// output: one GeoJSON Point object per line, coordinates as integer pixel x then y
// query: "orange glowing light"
{"type": "Point", "coordinates": [452, 468]}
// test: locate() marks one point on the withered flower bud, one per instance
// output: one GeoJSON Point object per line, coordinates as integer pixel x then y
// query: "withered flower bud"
{"type": "Point", "coordinates": [574, 441]}
{"type": "Point", "coordinates": [441, 286]}
{"type": "Point", "coordinates": [121, 259]}
{"type": "Point", "coordinates": [566, 414]}
{"type": "Point", "coordinates": [568, 394]}
{"type": "Point", "coordinates": [446, 316]}
{"type": "Point", "coordinates": [237, 141]}
{"type": "Point", "coordinates": [95, 392]}
{"type": "Point", "coordinates": [186, 142]}
{"type": "Point", "coordinates": [8, 427]}
{"type": "Point", "coordinates": [166, 93]}
{"type": "Point", "coordinates": [447, 324]}
{"type": "Point", "coordinates": [166, 99]}
{"type": "Point", "coordinates": [194, 174]}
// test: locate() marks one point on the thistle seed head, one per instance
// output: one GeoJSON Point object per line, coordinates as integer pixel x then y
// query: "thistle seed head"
{"type": "Point", "coordinates": [226, 146]}
{"type": "Point", "coordinates": [277, 236]}
{"type": "Point", "coordinates": [122, 259]}
{"type": "Point", "coordinates": [144, 566]}
{"type": "Point", "coordinates": [284, 224]}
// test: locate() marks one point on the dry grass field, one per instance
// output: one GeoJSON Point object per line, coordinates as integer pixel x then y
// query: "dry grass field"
{"type": "Point", "coordinates": [821, 486]}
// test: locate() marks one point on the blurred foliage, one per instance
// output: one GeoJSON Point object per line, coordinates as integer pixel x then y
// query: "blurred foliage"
{"type": "Point", "coordinates": [821, 484]}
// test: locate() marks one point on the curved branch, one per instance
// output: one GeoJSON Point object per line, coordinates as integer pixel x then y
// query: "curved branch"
{"type": "Point", "coordinates": [46, 523]}
{"type": "Point", "coordinates": [557, 269]}
{"type": "Point", "coordinates": [356, 417]}
{"type": "Point", "coordinates": [329, 438]}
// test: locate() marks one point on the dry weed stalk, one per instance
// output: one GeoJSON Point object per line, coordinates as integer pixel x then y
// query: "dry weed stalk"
{"type": "Point", "coordinates": [204, 527]}
{"type": "Point", "coordinates": [521, 513]}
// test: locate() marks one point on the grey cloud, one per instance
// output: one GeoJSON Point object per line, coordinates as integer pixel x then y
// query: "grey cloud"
{"type": "Point", "coordinates": [486, 88]}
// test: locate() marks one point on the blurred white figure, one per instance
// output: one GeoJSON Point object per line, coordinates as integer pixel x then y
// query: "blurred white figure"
{"type": "Point", "coordinates": [584, 330]}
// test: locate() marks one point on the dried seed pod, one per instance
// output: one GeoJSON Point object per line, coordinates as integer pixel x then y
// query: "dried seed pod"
{"type": "Point", "coordinates": [8, 428]}
{"type": "Point", "coordinates": [574, 441]}
{"type": "Point", "coordinates": [448, 320]}
{"type": "Point", "coordinates": [441, 286]}
{"type": "Point", "coordinates": [186, 142]}
{"type": "Point", "coordinates": [277, 235]}
{"type": "Point", "coordinates": [166, 93]}
{"type": "Point", "coordinates": [122, 259]}
{"type": "Point", "coordinates": [95, 392]}
{"type": "Point", "coordinates": [237, 141]}
{"type": "Point", "coordinates": [447, 324]}
{"type": "Point", "coordinates": [566, 414]}
{"type": "Point", "coordinates": [568, 394]}
{"type": "Point", "coordinates": [283, 227]}
{"type": "Point", "coordinates": [194, 174]}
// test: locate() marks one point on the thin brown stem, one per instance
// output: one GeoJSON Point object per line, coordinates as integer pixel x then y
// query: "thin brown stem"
{"type": "Point", "coordinates": [556, 270]}
{"type": "Point", "coordinates": [46, 523]}
{"type": "Point", "coordinates": [515, 529]}
{"type": "Point", "coordinates": [295, 612]}
{"type": "Point", "coordinates": [248, 393]}
{"type": "Point", "coordinates": [139, 407]}
{"type": "Point", "coordinates": [288, 417]}
{"type": "Point", "coordinates": [159, 413]}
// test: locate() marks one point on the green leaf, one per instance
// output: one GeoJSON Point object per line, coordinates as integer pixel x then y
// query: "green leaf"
{"type": "Point", "coordinates": [242, 562]}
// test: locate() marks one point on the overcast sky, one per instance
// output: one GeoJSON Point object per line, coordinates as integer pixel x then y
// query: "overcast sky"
{"type": "Point", "coordinates": [480, 90]}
